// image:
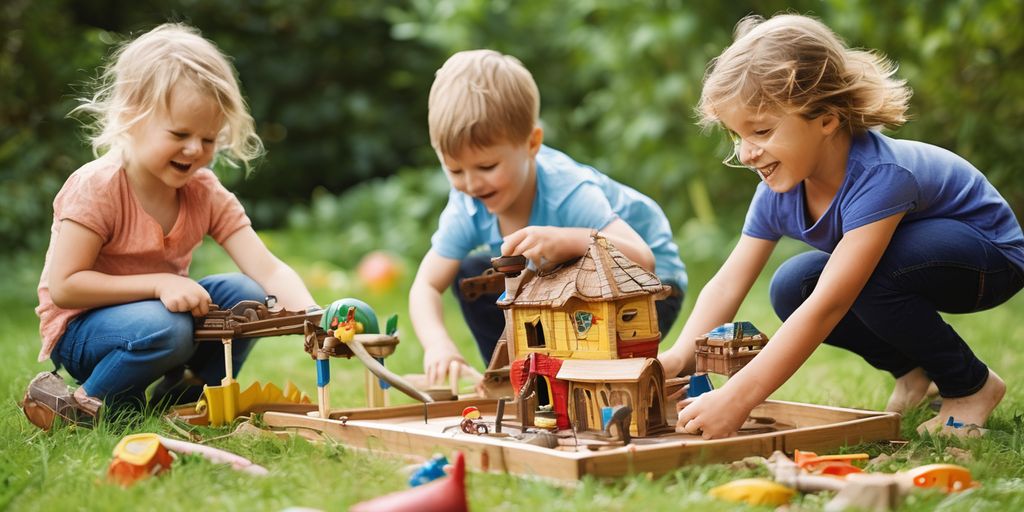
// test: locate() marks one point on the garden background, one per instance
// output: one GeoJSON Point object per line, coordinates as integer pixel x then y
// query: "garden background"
{"type": "Point", "coordinates": [338, 90]}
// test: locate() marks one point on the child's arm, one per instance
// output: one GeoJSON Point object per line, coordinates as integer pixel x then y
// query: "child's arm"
{"type": "Point", "coordinates": [549, 245]}
{"type": "Point", "coordinates": [435, 274]}
{"type": "Point", "coordinates": [721, 412]}
{"type": "Point", "coordinates": [277, 278]}
{"type": "Point", "coordinates": [718, 301]}
{"type": "Point", "coordinates": [73, 283]}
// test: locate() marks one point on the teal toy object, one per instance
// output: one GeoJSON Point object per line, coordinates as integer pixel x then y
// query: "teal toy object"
{"type": "Point", "coordinates": [338, 310]}
{"type": "Point", "coordinates": [365, 315]}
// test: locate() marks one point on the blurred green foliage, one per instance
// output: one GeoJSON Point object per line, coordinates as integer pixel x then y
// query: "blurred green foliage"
{"type": "Point", "coordinates": [338, 89]}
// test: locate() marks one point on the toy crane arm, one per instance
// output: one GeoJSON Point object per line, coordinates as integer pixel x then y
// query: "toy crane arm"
{"type": "Point", "coordinates": [251, 319]}
{"type": "Point", "coordinates": [356, 345]}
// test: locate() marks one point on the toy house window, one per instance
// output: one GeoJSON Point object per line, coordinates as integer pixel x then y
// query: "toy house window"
{"type": "Point", "coordinates": [583, 320]}
{"type": "Point", "coordinates": [620, 398]}
{"type": "Point", "coordinates": [535, 334]}
{"type": "Point", "coordinates": [627, 315]}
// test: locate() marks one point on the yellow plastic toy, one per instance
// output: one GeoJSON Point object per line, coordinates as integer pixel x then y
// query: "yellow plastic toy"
{"type": "Point", "coordinates": [754, 491]}
{"type": "Point", "coordinates": [138, 456]}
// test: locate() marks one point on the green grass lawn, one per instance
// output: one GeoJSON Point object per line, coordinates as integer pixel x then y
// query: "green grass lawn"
{"type": "Point", "coordinates": [65, 469]}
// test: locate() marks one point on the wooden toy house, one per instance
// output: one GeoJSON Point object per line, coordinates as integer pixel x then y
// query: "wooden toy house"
{"type": "Point", "coordinates": [571, 332]}
{"type": "Point", "coordinates": [728, 347]}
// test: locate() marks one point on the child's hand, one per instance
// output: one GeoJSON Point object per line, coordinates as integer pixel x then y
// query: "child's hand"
{"type": "Point", "coordinates": [180, 294]}
{"type": "Point", "coordinates": [547, 245]}
{"type": "Point", "coordinates": [438, 360]}
{"type": "Point", "coordinates": [713, 415]}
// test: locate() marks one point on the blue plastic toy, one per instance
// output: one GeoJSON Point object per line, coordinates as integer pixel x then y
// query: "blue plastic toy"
{"type": "Point", "coordinates": [429, 471]}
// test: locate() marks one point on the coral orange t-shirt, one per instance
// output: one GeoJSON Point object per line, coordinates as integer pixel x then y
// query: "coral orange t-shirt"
{"type": "Point", "coordinates": [99, 197]}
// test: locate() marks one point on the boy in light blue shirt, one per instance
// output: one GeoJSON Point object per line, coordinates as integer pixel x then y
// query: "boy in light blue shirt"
{"type": "Point", "coordinates": [512, 195]}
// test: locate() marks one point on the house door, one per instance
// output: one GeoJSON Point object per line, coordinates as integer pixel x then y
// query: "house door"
{"type": "Point", "coordinates": [655, 411]}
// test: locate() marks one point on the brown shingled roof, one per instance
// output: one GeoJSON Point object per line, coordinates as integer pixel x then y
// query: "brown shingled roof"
{"type": "Point", "coordinates": [602, 274]}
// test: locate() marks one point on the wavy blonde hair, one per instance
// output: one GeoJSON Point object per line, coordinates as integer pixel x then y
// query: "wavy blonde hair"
{"type": "Point", "coordinates": [140, 77]}
{"type": "Point", "coordinates": [480, 98]}
{"type": "Point", "coordinates": [796, 64]}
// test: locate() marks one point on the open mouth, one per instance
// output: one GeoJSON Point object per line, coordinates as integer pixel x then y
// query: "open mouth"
{"type": "Point", "coordinates": [486, 196]}
{"type": "Point", "coordinates": [767, 170]}
{"type": "Point", "coordinates": [180, 166]}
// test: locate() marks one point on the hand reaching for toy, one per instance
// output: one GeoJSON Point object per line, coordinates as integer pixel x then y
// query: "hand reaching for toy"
{"type": "Point", "coordinates": [438, 360]}
{"type": "Point", "coordinates": [547, 245]}
{"type": "Point", "coordinates": [713, 415]}
{"type": "Point", "coordinates": [180, 294]}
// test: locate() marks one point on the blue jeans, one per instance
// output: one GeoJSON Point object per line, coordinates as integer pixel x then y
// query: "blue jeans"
{"type": "Point", "coordinates": [486, 321]}
{"type": "Point", "coordinates": [930, 265]}
{"type": "Point", "coordinates": [116, 352]}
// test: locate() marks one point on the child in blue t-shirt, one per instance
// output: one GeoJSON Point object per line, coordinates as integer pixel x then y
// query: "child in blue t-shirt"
{"type": "Point", "coordinates": [901, 230]}
{"type": "Point", "coordinates": [512, 195]}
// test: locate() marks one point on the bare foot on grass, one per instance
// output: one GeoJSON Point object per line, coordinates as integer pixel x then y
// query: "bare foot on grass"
{"type": "Point", "coordinates": [971, 410]}
{"type": "Point", "coordinates": [910, 390]}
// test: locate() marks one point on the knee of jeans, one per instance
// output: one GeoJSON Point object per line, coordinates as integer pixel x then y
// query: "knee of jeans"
{"type": "Point", "coordinates": [228, 289]}
{"type": "Point", "coordinates": [176, 339]}
{"type": "Point", "coordinates": [248, 288]}
{"type": "Point", "coordinates": [786, 290]}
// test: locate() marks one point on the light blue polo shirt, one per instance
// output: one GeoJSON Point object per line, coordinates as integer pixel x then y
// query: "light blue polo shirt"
{"type": "Point", "coordinates": [569, 194]}
{"type": "Point", "coordinates": [885, 176]}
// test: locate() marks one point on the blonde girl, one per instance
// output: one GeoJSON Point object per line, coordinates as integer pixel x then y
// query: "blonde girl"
{"type": "Point", "coordinates": [900, 230]}
{"type": "Point", "coordinates": [115, 298]}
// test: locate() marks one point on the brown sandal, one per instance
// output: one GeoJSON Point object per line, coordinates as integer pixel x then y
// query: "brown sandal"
{"type": "Point", "coordinates": [48, 397]}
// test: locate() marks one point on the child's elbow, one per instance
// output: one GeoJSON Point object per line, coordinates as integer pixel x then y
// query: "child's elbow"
{"type": "Point", "coordinates": [647, 260]}
{"type": "Point", "coordinates": [60, 295]}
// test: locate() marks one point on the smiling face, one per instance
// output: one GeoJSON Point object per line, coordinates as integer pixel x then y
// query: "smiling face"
{"type": "Point", "coordinates": [500, 176]}
{"type": "Point", "coordinates": [783, 149]}
{"type": "Point", "coordinates": [174, 142]}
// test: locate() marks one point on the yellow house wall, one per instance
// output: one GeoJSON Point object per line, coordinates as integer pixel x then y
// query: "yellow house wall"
{"type": "Point", "coordinates": [644, 325]}
{"type": "Point", "coordinates": [599, 342]}
{"type": "Point", "coordinates": [560, 332]}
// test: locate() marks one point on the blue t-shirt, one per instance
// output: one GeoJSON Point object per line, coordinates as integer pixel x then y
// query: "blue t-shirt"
{"type": "Point", "coordinates": [885, 176]}
{"type": "Point", "coordinates": [569, 194]}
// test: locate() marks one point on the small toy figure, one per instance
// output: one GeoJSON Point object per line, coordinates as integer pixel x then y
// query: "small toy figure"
{"type": "Point", "coordinates": [442, 495]}
{"type": "Point", "coordinates": [469, 424]}
{"type": "Point", "coordinates": [429, 471]}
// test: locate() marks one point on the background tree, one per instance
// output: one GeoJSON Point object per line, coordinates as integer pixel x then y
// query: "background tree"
{"type": "Point", "coordinates": [339, 89]}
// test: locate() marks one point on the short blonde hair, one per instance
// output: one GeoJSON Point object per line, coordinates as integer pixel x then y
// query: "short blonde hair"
{"type": "Point", "coordinates": [139, 79]}
{"type": "Point", "coordinates": [480, 98]}
{"type": "Point", "coordinates": [796, 64]}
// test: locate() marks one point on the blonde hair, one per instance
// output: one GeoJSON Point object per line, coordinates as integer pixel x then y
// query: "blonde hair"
{"type": "Point", "coordinates": [796, 64]}
{"type": "Point", "coordinates": [139, 80]}
{"type": "Point", "coordinates": [480, 98]}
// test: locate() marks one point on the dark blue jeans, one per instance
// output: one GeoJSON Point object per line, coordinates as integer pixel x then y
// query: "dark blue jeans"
{"type": "Point", "coordinates": [931, 265]}
{"type": "Point", "coordinates": [116, 352]}
{"type": "Point", "coordinates": [486, 321]}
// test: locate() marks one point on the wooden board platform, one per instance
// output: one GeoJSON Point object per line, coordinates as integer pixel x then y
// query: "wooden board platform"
{"type": "Point", "coordinates": [401, 430]}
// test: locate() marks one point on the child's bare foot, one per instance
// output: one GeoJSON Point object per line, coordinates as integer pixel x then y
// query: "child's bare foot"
{"type": "Point", "coordinates": [968, 410]}
{"type": "Point", "coordinates": [910, 390]}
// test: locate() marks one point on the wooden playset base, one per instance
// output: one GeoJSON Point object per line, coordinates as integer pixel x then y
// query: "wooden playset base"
{"type": "Point", "coordinates": [426, 429]}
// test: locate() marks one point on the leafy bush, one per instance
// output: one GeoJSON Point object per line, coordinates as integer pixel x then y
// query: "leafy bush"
{"type": "Point", "coordinates": [339, 88]}
{"type": "Point", "coordinates": [398, 213]}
